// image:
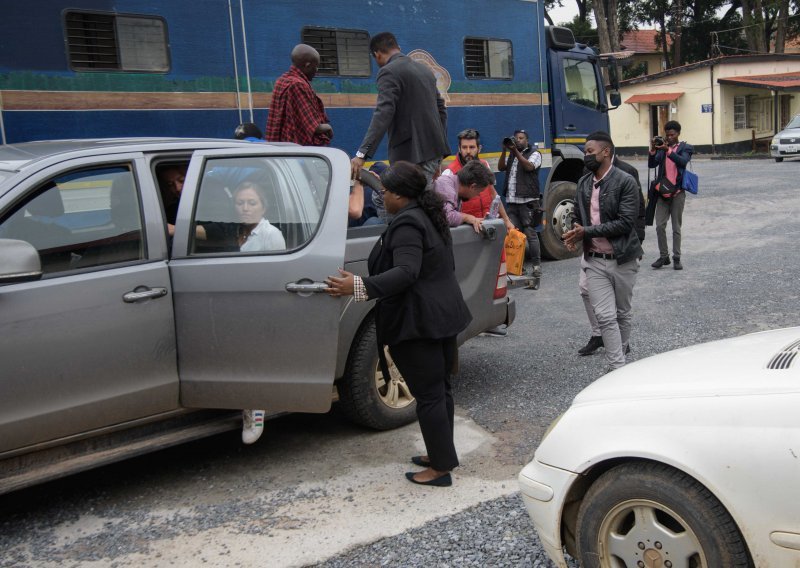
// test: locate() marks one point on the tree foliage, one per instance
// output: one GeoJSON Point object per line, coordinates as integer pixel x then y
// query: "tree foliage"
{"type": "Point", "coordinates": [689, 30]}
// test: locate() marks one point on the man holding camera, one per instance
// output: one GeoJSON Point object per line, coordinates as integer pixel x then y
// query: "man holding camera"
{"type": "Point", "coordinates": [521, 189]}
{"type": "Point", "coordinates": [670, 157]}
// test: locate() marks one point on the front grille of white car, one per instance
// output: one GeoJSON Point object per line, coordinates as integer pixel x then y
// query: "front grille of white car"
{"type": "Point", "coordinates": [784, 358]}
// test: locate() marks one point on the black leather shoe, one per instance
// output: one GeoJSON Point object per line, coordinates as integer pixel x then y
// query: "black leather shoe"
{"type": "Point", "coordinates": [442, 481]}
{"type": "Point", "coordinates": [662, 261]}
{"type": "Point", "coordinates": [595, 343]}
{"type": "Point", "coordinates": [678, 265]}
{"type": "Point", "coordinates": [421, 461]}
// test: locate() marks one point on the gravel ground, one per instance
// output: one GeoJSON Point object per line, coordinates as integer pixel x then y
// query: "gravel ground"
{"type": "Point", "coordinates": [739, 249]}
{"type": "Point", "coordinates": [740, 253]}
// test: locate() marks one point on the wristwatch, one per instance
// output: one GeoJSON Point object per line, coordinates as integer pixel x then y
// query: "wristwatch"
{"type": "Point", "coordinates": [361, 155]}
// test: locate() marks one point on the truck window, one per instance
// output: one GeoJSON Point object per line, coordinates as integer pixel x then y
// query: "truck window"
{"type": "Point", "coordinates": [116, 42]}
{"type": "Point", "coordinates": [580, 83]}
{"type": "Point", "coordinates": [488, 58]}
{"type": "Point", "coordinates": [81, 219]}
{"type": "Point", "coordinates": [259, 205]}
{"type": "Point", "coordinates": [342, 53]}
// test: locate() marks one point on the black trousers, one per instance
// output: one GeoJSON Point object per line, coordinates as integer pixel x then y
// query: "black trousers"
{"type": "Point", "coordinates": [427, 365]}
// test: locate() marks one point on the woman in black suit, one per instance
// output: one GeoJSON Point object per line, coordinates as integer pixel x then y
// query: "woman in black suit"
{"type": "Point", "coordinates": [419, 310]}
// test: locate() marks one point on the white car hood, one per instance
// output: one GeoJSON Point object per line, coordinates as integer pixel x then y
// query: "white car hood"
{"type": "Point", "coordinates": [727, 367]}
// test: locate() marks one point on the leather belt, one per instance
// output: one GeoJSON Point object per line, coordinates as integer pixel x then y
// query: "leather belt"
{"type": "Point", "coordinates": [602, 255]}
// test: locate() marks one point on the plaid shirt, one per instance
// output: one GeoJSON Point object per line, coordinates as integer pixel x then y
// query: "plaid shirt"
{"type": "Point", "coordinates": [296, 111]}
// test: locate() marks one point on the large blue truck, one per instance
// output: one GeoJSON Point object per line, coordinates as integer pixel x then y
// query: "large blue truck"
{"type": "Point", "coordinates": [197, 68]}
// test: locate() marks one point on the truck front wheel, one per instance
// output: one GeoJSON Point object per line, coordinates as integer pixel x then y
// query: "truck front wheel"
{"type": "Point", "coordinates": [559, 205]}
{"type": "Point", "coordinates": [367, 397]}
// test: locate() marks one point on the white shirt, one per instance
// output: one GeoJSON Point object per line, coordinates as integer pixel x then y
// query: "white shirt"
{"type": "Point", "coordinates": [264, 237]}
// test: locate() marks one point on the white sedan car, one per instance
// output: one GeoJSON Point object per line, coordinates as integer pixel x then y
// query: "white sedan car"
{"type": "Point", "coordinates": [687, 459]}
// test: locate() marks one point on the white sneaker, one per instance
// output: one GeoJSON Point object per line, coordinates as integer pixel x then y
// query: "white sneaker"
{"type": "Point", "coordinates": [253, 425]}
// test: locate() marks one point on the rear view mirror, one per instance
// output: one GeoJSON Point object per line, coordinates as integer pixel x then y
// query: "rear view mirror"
{"type": "Point", "coordinates": [19, 262]}
{"type": "Point", "coordinates": [615, 99]}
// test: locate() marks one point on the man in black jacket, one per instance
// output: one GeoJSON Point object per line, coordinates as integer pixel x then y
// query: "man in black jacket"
{"type": "Point", "coordinates": [596, 339]}
{"type": "Point", "coordinates": [409, 107]}
{"type": "Point", "coordinates": [606, 207]}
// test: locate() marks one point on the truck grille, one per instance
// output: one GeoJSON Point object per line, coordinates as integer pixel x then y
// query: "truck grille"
{"type": "Point", "coordinates": [790, 140]}
{"type": "Point", "coordinates": [784, 358]}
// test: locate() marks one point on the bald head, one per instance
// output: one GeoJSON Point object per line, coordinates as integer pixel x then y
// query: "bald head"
{"type": "Point", "coordinates": [305, 58]}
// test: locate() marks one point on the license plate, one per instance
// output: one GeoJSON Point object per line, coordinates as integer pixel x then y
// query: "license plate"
{"type": "Point", "coordinates": [790, 149]}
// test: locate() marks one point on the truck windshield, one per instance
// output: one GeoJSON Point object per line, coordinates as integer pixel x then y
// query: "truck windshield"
{"type": "Point", "coordinates": [581, 83]}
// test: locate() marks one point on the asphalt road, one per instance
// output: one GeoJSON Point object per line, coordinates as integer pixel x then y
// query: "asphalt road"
{"type": "Point", "coordinates": [317, 490]}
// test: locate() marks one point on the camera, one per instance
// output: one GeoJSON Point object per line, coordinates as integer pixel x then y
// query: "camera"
{"type": "Point", "coordinates": [658, 141]}
{"type": "Point", "coordinates": [508, 141]}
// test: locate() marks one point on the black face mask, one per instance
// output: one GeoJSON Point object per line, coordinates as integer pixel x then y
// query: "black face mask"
{"type": "Point", "coordinates": [591, 163]}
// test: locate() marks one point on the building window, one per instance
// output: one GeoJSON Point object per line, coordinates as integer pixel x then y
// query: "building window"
{"type": "Point", "coordinates": [342, 53]}
{"type": "Point", "coordinates": [488, 58]}
{"type": "Point", "coordinates": [113, 42]}
{"type": "Point", "coordinates": [739, 112]}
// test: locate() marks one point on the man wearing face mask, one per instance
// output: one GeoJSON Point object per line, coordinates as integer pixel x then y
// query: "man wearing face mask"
{"type": "Point", "coordinates": [606, 208]}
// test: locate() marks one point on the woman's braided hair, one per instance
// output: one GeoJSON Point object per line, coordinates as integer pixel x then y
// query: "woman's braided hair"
{"type": "Point", "coordinates": [408, 180]}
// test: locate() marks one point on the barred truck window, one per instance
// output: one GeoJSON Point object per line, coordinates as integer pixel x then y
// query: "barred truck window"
{"type": "Point", "coordinates": [98, 41]}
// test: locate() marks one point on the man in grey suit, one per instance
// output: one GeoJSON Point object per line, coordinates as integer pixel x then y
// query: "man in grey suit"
{"type": "Point", "coordinates": [409, 107]}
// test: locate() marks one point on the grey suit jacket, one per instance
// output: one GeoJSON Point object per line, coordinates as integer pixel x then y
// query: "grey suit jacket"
{"type": "Point", "coordinates": [411, 109]}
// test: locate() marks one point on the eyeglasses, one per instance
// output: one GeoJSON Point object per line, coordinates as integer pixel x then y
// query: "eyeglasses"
{"type": "Point", "coordinates": [469, 133]}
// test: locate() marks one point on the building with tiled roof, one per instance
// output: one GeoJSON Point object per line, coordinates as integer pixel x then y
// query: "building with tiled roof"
{"type": "Point", "coordinates": [723, 104]}
{"type": "Point", "coordinates": [648, 57]}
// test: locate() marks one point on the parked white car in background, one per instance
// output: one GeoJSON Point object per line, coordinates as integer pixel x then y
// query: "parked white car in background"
{"type": "Point", "coordinates": [786, 143]}
{"type": "Point", "coordinates": [689, 458]}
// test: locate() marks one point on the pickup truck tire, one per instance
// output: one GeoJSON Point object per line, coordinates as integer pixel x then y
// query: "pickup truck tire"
{"type": "Point", "coordinates": [364, 396]}
{"type": "Point", "coordinates": [559, 204]}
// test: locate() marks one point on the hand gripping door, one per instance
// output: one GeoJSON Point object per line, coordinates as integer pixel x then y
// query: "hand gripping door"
{"type": "Point", "coordinates": [258, 231]}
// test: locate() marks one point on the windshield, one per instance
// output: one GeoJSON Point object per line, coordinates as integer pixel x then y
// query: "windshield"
{"type": "Point", "coordinates": [794, 123]}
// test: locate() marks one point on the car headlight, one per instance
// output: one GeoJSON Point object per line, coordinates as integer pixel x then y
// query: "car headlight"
{"type": "Point", "coordinates": [775, 141]}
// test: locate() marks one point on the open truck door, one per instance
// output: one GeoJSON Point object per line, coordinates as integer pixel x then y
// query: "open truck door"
{"type": "Point", "coordinates": [248, 301]}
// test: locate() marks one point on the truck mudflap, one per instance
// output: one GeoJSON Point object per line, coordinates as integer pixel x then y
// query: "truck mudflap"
{"type": "Point", "coordinates": [511, 311]}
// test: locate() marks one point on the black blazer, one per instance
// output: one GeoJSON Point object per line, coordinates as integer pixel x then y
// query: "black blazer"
{"type": "Point", "coordinates": [412, 110]}
{"type": "Point", "coordinates": [412, 275]}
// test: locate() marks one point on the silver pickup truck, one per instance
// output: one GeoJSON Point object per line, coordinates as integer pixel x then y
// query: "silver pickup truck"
{"type": "Point", "coordinates": [130, 319]}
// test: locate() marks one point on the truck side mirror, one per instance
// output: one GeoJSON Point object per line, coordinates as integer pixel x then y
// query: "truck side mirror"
{"type": "Point", "coordinates": [19, 262]}
{"type": "Point", "coordinates": [614, 98]}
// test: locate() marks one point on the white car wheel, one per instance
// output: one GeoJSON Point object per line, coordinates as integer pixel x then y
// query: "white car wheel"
{"type": "Point", "coordinates": [643, 515]}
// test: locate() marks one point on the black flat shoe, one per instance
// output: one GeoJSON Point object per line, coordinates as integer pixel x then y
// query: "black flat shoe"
{"type": "Point", "coordinates": [421, 461]}
{"type": "Point", "coordinates": [442, 481]}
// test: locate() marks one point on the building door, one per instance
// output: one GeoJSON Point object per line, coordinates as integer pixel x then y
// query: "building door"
{"type": "Point", "coordinates": [658, 118]}
{"type": "Point", "coordinates": [785, 111]}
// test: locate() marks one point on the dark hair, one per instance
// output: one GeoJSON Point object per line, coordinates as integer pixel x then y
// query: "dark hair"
{"type": "Point", "coordinates": [247, 130]}
{"type": "Point", "coordinates": [408, 180]}
{"type": "Point", "coordinates": [600, 136]}
{"type": "Point", "coordinates": [475, 172]}
{"type": "Point", "coordinates": [673, 125]}
{"type": "Point", "coordinates": [469, 134]}
{"type": "Point", "coordinates": [383, 41]}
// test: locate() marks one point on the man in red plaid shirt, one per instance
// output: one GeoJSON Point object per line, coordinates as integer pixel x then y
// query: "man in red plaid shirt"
{"type": "Point", "coordinates": [296, 113]}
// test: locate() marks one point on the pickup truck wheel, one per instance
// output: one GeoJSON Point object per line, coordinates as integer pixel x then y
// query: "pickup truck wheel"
{"type": "Point", "coordinates": [559, 205]}
{"type": "Point", "coordinates": [367, 397]}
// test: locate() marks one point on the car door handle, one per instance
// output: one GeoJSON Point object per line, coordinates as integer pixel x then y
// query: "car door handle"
{"type": "Point", "coordinates": [143, 293]}
{"type": "Point", "coordinates": [305, 287]}
{"type": "Point", "coordinates": [570, 127]}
